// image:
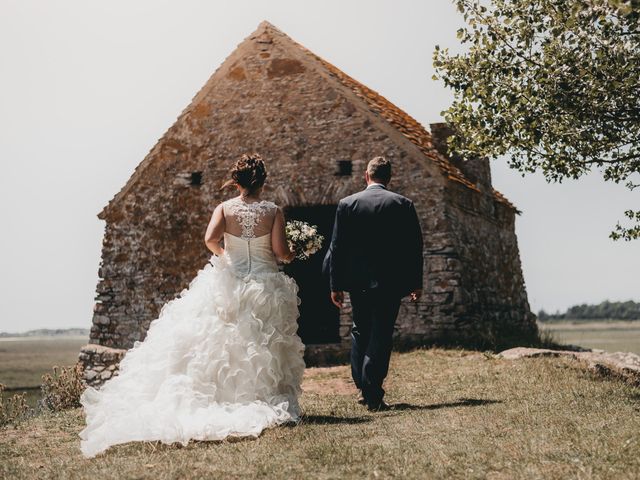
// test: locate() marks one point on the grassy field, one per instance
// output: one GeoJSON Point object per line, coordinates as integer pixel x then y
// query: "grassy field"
{"type": "Point", "coordinates": [457, 414]}
{"type": "Point", "coordinates": [611, 336]}
{"type": "Point", "coordinates": [23, 361]}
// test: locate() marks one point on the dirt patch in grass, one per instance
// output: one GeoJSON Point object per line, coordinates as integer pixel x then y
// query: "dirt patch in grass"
{"type": "Point", "coordinates": [329, 381]}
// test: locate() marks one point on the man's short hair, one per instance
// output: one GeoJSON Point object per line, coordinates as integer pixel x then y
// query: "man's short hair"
{"type": "Point", "coordinates": [379, 168]}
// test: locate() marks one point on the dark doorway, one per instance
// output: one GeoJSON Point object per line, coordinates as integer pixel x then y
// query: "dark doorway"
{"type": "Point", "coordinates": [319, 320]}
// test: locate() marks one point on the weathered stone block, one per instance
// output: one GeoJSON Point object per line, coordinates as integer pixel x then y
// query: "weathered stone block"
{"type": "Point", "coordinates": [101, 320]}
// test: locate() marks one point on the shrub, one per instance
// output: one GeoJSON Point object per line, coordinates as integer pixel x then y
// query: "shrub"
{"type": "Point", "coordinates": [61, 390]}
{"type": "Point", "coordinates": [13, 409]}
{"type": "Point", "coordinates": [547, 339]}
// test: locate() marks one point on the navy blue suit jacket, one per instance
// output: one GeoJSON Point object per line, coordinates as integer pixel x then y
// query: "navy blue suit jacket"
{"type": "Point", "coordinates": [376, 242]}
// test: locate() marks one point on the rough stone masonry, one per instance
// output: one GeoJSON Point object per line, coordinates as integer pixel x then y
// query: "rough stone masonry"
{"type": "Point", "coordinates": [317, 128]}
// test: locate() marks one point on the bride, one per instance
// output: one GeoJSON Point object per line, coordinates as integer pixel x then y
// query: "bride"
{"type": "Point", "coordinates": [223, 358]}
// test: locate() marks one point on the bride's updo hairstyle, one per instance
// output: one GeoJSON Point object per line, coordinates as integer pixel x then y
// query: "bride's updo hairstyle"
{"type": "Point", "coordinates": [249, 172]}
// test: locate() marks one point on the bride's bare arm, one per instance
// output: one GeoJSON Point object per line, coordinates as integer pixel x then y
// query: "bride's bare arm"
{"type": "Point", "coordinates": [215, 231]}
{"type": "Point", "coordinates": [279, 239]}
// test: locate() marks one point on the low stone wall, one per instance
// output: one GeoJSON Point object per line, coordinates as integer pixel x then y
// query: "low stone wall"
{"type": "Point", "coordinates": [99, 363]}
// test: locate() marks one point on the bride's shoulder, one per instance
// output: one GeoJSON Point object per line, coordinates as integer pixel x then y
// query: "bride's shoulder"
{"type": "Point", "coordinates": [228, 206]}
{"type": "Point", "coordinates": [273, 208]}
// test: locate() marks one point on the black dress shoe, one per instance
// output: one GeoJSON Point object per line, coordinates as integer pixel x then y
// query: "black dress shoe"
{"type": "Point", "coordinates": [381, 407]}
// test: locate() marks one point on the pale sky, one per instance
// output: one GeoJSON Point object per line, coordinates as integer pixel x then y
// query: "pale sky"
{"type": "Point", "coordinates": [87, 88]}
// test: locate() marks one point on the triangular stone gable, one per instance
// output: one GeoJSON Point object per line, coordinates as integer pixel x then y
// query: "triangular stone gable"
{"type": "Point", "coordinates": [384, 113]}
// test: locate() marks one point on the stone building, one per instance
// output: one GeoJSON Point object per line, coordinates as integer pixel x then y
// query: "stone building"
{"type": "Point", "coordinates": [317, 128]}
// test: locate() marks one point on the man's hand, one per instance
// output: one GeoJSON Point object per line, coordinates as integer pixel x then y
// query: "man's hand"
{"type": "Point", "coordinates": [289, 258]}
{"type": "Point", "coordinates": [416, 294]}
{"type": "Point", "coordinates": [337, 298]}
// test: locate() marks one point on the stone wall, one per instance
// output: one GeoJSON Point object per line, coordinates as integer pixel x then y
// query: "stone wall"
{"type": "Point", "coordinates": [274, 98]}
{"type": "Point", "coordinates": [493, 309]}
{"type": "Point", "coordinates": [99, 363]}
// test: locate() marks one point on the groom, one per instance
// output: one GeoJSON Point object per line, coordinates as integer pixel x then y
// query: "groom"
{"type": "Point", "coordinates": [376, 256]}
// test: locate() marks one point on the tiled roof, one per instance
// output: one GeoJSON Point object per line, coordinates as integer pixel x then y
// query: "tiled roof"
{"type": "Point", "coordinates": [402, 121]}
{"type": "Point", "coordinates": [502, 199]}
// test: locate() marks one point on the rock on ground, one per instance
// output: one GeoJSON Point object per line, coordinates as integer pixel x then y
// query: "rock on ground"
{"type": "Point", "coordinates": [622, 365]}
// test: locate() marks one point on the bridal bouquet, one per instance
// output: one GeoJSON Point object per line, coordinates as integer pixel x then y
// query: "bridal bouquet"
{"type": "Point", "coordinates": [303, 238]}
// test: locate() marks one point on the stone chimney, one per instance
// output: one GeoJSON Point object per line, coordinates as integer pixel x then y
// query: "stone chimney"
{"type": "Point", "coordinates": [477, 170]}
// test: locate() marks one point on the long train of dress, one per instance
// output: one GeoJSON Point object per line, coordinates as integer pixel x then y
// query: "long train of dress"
{"type": "Point", "coordinates": [222, 359]}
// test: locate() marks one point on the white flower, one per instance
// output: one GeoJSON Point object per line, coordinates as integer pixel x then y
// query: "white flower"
{"type": "Point", "coordinates": [303, 238]}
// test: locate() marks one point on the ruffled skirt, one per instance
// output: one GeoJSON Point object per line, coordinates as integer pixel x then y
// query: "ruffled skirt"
{"type": "Point", "coordinates": [222, 359]}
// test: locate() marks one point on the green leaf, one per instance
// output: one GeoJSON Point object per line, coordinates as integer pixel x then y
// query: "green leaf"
{"type": "Point", "coordinates": [552, 83]}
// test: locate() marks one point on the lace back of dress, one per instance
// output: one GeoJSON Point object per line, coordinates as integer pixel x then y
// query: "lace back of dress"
{"type": "Point", "coordinates": [249, 220]}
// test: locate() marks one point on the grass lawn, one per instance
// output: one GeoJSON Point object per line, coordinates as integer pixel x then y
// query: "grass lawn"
{"type": "Point", "coordinates": [23, 360]}
{"type": "Point", "coordinates": [458, 414]}
{"type": "Point", "coordinates": [612, 336]}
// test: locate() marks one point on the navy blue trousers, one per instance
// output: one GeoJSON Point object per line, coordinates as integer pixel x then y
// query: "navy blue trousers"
{"type": "Point", "coordinates": [374, 316]}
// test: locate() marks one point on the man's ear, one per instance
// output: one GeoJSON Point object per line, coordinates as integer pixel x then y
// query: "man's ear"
{"type": "Point", "coordinates": [366, 176]}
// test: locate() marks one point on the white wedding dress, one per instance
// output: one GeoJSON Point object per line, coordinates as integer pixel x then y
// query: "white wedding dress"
{"type": "Point", "coordinates": [222, 359]}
